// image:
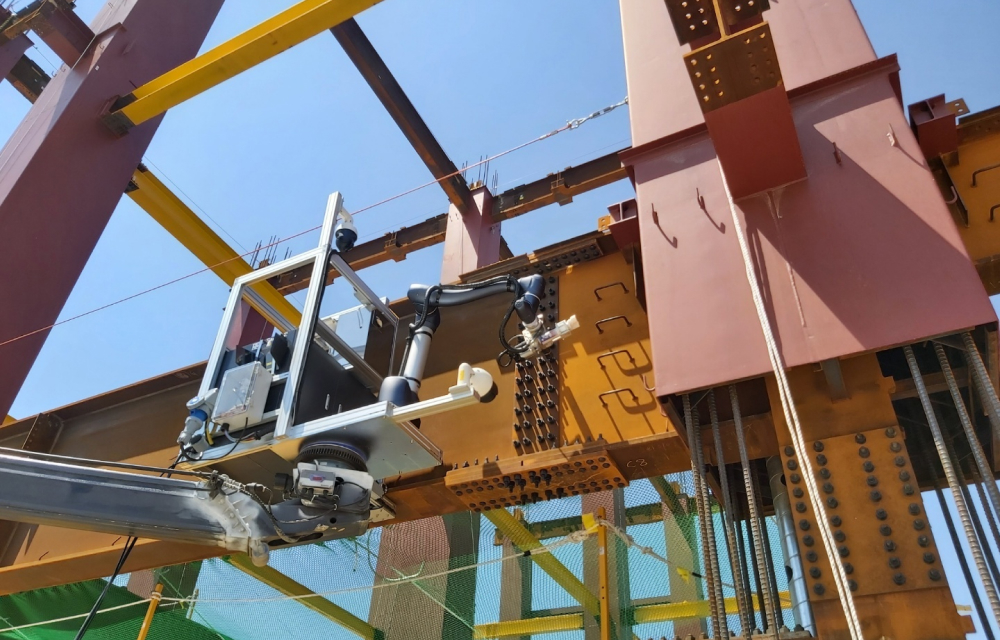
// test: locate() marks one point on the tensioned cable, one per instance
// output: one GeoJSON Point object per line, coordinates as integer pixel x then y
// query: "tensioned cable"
{"type": "Point", "coordinates": [794, 425]}
{"type": "Point", "coordinates": [572, 124]}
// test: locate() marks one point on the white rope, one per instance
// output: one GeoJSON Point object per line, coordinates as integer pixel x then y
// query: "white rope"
{"type": "Point", "coordinates": [76, 617]}
{"type": "Point", "coordinates": [794, 425]}
{"type": "Point", "coordinates": [575, 537]}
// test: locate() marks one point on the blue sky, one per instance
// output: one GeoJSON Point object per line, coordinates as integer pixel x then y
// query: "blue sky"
{"type": "Point", "coordinates": [259, 154]}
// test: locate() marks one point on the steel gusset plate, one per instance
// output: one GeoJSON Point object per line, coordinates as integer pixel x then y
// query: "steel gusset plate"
{"type": "Point", "coordinates": [692, 19]}
{"type": "Point", "coordinates": [737, 11]}
{"type": "Point", "coordinates": [738, 67]}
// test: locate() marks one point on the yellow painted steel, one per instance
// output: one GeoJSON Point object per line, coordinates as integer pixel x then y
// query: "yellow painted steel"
{"type": "Point", "coordinates": [286, 586]}
{"type": "Point", "coordinates": [698, 609]}
{"type": "Point", "coordinates": [531, 626]}
{"type": "Point", "coordinates": [669, 612]}
{"type": "Point", "coordinates": [523, 540]}
{"type": "Point", "coordinates": [182, 223]}
{"type": "Point", "coordinates": [602, 570]}
{"type": "Point", "coordinates": [8, 420]}
{"type": "Point", "coordinates": [147, 622]}
{"type": "Point", "coordinates": [295, 25]}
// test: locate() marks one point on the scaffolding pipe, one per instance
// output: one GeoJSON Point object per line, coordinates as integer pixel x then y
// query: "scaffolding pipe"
{"type": "Point", "coordinates": [953, 483]}
{"type": "Point", "coordinates": [744, 609]}
{"type": "Point", "coordinates": [795, 570]}
{"type": "Point", "coordinates": [602, 565]}
{"type": "Point", "coordinates": [717, 609]}
{"type": "Point", "coordinates": [753, 516]}
{"type": "Point", "coordinates": [970, 433]}
{"type": "Point", "coordinates": [147, 622]}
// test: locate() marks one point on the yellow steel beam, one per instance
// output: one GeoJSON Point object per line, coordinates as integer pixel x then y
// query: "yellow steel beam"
{"type": "Point", "coordinates": [182, 223]}
{"type": "Point", "coordinates": [531, 626]}
{"type": "Point", "coordinates": [8, 420]}
{"type": "Point", "coordinates": [296, 24]}
{"type": "Point", "coordinates": [523, 540]}
{"type": "Point", "coordinates": [684, 610]}
{"type": "Point", "coordinates": [286, 586]}
{"type": "Point", "coordinates": [642, 614]}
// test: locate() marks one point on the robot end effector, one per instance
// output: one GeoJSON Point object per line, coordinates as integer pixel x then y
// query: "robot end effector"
{"type": "Point", "coordinates": [535, 338]}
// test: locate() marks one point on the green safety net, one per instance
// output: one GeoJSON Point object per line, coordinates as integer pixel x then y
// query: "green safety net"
{"type": "Point", "coordinates": [457, 577]}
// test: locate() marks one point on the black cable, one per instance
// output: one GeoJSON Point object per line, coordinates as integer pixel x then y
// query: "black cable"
{"type": "Point", "coordinates": [122, 559]}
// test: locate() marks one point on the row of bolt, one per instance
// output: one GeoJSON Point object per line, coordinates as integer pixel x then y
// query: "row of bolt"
{"type": "Point", "coordinates": [875, 495]}
{"type": "Point", "coordinates": [535, 406]}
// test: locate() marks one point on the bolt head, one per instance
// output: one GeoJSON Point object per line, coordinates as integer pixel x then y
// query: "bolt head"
{"type": "Point", "coordinates": [885, 530]}
{"type": "Point", "coordinates": [863, 451]}
{"type": "Point", "coordinates": [821, 459]}
{"type": "Point", "coordinates": [843, 551]}
{"type": "Point", "coordinates": [848, 568]}
{"type": "Point", "coordinates": [934, 575]}
{"type": "Point", "coordinates": [835, 521]}
{"type": "Point", "coordinates": [839, 535]}
{"type": "Point", "coordinates": [923, 541]}
{"type": "Point", "coordinates": [894, 562]}
{"type": "Point", "coordinates": [881, 514]}
{"type": "Point", "coordinates": [818, 446]}
{"type": "Point", "coordinates": [899, 579]}
{"type": "Point", "coordinates": [890, 432]}
{"type": "Point", "coordinates": [868, 466]}
{"type": "Point", "coordinates": [832, 502]}
{"type": "Point", "coordinates": [889, 545]}
{"type": "Point", "coordinates": [860, 438]}
{"type": "Point", "coordinates": [929, 558]}
{"type": "Point", "coordinates": [872, 481]}
{"type": "Point", "coordinates": [919, 524]}
{"type": "Point", "coordinates": [875, 495]}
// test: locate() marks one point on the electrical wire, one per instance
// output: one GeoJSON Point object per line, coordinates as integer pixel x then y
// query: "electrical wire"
{"type": "Point", "coordinates": [572, 124]}
{"type": "Point", "coordinates": [122, 559]}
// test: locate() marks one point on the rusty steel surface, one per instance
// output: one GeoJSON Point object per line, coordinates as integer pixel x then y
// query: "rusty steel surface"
{"type": "Point", "coordinates": [378, 76]}
{"type": "Point", "coordinates": [546, 475]}
{"type": "Point", "coordinates": [560, 187]}
{"type": "Point", "coordinates": [884, 536]}
{"type": "Point", "coordinates": [814, 39]}
{"type": "Point", "coordinates": [870, 493]}
{"type": "Point", "coordinates": [60, 135]}
{"type": "Point", "coordinates": [862, 255]}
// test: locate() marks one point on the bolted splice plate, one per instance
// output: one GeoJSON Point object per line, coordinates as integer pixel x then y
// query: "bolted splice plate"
{"type": "Point", "coordinates": [692, 19]}
{"type": "Point", "coordinates": [737, 11]}
{"type": "Point", "coordinates": [738, 67]}
{"type": "Point", "coordinates": [543, 476]}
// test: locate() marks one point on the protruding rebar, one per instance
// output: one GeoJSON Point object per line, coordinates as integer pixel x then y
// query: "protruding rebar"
{"type": "Point", "coordinates": [754, 513]}
{"type": "Point", "coordinates": [963, 415]}
{"type": "Point", "coordinates": [742, 598]}
{"type": "Point", "coordinates": [716, 605]}
{"type": "Point", "coordinates": [953, 483]}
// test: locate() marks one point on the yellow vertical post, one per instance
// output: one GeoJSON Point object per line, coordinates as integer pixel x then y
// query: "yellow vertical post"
{"type": "Point", "coordinates": [154, 601]}
{"type": "Point", "coordinates": [602, 563]}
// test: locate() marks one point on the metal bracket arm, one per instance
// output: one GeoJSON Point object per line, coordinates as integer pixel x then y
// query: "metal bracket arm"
{"type": "Point", "coordinates": [129, 504]}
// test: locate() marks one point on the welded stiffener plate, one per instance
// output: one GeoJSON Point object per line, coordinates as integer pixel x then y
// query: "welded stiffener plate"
{"type": "Point", "coordinates": [738, 67]}
{"type": "Point", "coordinates": [570, 471]}
{"type": "Point", "coordinates": [877, 515]}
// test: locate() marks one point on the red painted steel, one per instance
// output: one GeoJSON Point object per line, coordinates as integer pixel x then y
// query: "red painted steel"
{"type": "Point", "coordinates": [935, 126]}
{"type": "Point", "coordinates": [472, 240]}
{"type": "Point", "coordinates": [62, 172]}
{"type": "Point", "coordinates": [756, 142]}
{"type": "Point", "coordinates": [861, 255]}
{"type": "Point", "coordinates": [11, 51]}
{"type": "Point", "coordinates": [814, 39]}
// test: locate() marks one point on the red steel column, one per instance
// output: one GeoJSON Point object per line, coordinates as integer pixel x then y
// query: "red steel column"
{"type": "Point", "coordinates": [471, 240]}
{"type": "Point", "coordinates": [859, 255]}
{"type": "Point", "coordinates": [11, 50]}
{"type": "Point", "coordinates": [62, 172]}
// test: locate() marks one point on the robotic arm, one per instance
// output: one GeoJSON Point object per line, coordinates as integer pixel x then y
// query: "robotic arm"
{"type": "Point", "coordinates": [534, 338]}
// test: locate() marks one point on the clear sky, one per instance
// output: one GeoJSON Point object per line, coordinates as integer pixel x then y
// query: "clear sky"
{"type": "Point", "coordinates": [258, 155]}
